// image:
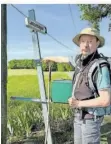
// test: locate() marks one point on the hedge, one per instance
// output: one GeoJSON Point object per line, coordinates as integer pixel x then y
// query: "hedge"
{"type": "Point", "coordinates": [31, 64]}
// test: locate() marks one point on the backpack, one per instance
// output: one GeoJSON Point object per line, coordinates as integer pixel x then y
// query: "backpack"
{"type": "Point", "coordinates": [97, 67]}
{"type": "Point", "coordinates": [92, 75]}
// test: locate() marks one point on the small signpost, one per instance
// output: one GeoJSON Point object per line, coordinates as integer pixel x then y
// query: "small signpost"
{"type": "Point", "coordinates": [36, 27]}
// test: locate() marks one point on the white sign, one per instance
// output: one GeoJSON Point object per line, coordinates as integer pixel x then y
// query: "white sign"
{"type": "Point", "coordinates": [34, 25]}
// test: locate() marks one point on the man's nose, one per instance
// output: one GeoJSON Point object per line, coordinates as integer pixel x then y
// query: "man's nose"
{"type": "Point", "coordinates": [86, 44]}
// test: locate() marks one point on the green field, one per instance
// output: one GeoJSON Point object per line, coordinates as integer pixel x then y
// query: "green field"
{"type": "Point", "coordinates": [23, 115]}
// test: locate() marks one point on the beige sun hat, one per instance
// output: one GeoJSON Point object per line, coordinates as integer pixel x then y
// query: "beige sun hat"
{"type": "Point", "coordinates": [89, 31]}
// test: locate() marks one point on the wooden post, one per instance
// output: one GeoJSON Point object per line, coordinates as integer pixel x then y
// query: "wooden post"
{"type": "Point", "coordinates": [3, 73]}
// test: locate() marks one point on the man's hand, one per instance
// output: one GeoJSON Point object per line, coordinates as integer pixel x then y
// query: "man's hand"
{"type": "Point", "coordinates": [56, 59]}
{"type": "Point", "coordinates": [73, 103]}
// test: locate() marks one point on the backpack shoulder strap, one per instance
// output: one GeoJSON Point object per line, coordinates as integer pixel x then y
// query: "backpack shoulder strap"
{"type": "Point", "coordinates": [77, 67]}
{"type": "Point", "coordinates": [96, 67]}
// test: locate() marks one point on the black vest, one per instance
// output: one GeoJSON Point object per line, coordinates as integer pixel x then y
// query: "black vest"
{"type": "Point", "coordinates": [82, 90]}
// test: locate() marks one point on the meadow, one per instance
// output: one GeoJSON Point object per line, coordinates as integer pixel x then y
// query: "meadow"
{"type": "Point", "coordinates": [25, 120]}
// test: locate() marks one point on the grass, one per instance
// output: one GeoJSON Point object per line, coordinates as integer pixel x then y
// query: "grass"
{"type": "Point", "coordinates": [32, 72]}
{"type": "Point", "coordinates": [22, 115]}
{"type": "Point", "coordinates": [25, 83]}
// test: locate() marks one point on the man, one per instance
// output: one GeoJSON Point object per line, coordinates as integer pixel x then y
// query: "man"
{"type": "Point", "coordinates": [86, 129]}
{"type": "Point", "coordinates": [86, 126]}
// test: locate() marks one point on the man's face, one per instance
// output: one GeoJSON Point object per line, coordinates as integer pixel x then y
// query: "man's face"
{"type": "Point", "coordinates": [88, 44]}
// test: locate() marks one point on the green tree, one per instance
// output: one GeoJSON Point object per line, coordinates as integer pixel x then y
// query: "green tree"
{"type": "Point", "coordinates": [53, 66]}
{"type": "Point", "coordinates": [22, 64]}
{"type": "Point", "coordinates": [45, 66]}
{"type": "Point", "coordinates": [68, 67]}
{"type": "Point", "coordinates": [94, 13]}
{"type": "Point", "coordinates": [60, 67]}
{"type": "Point", "coordinates": [13, 64]}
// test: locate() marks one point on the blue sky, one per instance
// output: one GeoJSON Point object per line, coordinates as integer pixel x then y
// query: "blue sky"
{"type": "Point", "coordinates": [57, 19]}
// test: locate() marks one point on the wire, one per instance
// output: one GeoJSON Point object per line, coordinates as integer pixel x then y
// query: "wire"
{"type": "Point", "coordinates": [18, 10]}
{"type": "Point", "coordinates": [59, 42]}
{"type": "Point", "coordinates": [47, 33]}
{"type": "Point", "coordinates": [72, 17]}
{"type": "Point", "coordinates": [49, 81]}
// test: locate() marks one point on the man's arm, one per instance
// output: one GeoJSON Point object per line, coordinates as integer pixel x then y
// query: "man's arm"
{"type": "Point", "coordinates": [58, 59]}
{"type": "Point", "coordinates": [104, 89]}
{"type": "Point", "coordinates": [102, 101]}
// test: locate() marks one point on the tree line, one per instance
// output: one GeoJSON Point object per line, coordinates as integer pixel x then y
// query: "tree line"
{"type": "Point", "coordinates": [31, 64]}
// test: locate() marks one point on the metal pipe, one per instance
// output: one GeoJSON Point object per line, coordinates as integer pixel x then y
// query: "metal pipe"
{"type": "Point", "coordinates": [28, 99]}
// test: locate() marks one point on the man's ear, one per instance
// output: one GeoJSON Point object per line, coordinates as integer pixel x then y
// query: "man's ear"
{"type": "Point", "coordinates": [98, 43]}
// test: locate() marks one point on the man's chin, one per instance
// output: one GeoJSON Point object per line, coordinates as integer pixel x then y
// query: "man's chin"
{"type": "Point", "coordinates": [85, 53]}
